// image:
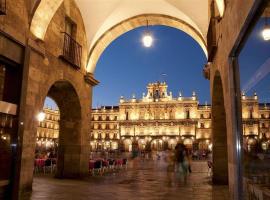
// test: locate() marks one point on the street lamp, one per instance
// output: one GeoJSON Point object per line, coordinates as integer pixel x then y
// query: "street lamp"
{"type": "Point", "coordinates": [41, 116]}
{"type": "Point", "coordinates": [147, 38]}
{"type": "Point", "coordinates": [266, 31]}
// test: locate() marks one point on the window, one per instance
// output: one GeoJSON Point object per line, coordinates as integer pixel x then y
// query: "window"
{"type": "Point", "coordinates": [70, 27]}
{"type": "Point", "coordinates": [250, 113]}
{"type": "Point", "coordinates": [72, 50]}
{"type": "Point", "coordinates": [187, 114]}
{"type": "Point", "coordinates": [126, 115]}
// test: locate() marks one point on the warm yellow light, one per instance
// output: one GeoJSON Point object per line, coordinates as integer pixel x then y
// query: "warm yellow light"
{"type": "Point", "coordinates": [41, 116]}
{"type": "Point", "coordinates": [266, 33]}
{"type": "Point", "coordinates": [221, 7]}
{"type": "Point", "coordinates": [147, 40]}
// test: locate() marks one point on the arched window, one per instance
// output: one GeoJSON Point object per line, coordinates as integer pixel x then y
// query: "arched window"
{"type": "Point", "coordinates": [187, 114]}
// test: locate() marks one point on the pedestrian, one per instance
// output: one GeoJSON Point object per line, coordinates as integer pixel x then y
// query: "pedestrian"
{"type": "Point", "coordinates": [181, 160]}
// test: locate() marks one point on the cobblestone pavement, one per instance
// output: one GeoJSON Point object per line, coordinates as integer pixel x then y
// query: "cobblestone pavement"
{"type": "Point", "coordinates": [146, 180]}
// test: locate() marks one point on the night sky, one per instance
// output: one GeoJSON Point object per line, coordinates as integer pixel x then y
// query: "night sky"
{"type": "Point", "coordinates": [254, 54]}
{"type": "Point", "coordinates": [126, 66]}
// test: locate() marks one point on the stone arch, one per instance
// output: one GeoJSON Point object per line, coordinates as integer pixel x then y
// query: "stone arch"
{"type": "Point", "coordinates": [42, 19]}
{"type": "Point", "coordinates": [69, 151]}
{"type": "Point", "coordinates": [137, 21]}
{"type": "Point", "coordinates": [219, 133]}
{"type": "Point", "coordinates": [117, 20]}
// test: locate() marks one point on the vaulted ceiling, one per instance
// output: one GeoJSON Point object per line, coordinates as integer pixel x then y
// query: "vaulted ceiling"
{"type": "Point", "coordinates": [102, 16]}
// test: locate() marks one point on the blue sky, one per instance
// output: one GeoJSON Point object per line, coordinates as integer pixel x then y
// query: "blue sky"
{"type": "Point", "coordinates": [126, 67]}
{"type": "Point", "coordinates": [254, 54]}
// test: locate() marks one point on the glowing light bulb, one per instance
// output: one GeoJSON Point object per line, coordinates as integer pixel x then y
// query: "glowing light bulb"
{"type": "Point", "coordinates": [147, 40]}
{"type": "Point", "coordinates": [41, 116]}
{"type": "Point", "coordinates": [266, 33]}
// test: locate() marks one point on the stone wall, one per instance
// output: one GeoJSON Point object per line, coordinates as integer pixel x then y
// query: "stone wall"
{"type": "Point", "coordinates": [228, 30]}
{"type": "Point", "coordinates": [45, 74]}
{"type": "Point", "coordinates": [43, 70]}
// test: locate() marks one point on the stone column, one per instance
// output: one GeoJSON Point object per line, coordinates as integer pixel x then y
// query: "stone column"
{"type": "Point", "coordinates": [219, 134]}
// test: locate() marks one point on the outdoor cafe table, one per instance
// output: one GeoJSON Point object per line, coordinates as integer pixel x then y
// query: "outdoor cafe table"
{"type": "Point", "coordinates": [105, 163]}
{"type": "Point", "coordinates": [119, 162]}
{"type": "Point", "coordinates": [91, 164]}
{"type": "Point", "coordinates": [40, 162]}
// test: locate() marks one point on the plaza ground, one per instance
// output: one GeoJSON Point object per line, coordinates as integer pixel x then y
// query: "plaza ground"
{"type": "Point", "coordinates": [142, 180]}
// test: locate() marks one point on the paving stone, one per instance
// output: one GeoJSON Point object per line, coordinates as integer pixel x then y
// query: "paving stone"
{"type": "Point", "coordinates": [147, 181]}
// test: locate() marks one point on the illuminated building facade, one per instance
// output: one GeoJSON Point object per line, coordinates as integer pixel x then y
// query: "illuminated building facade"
{"type": "Point", "coordinates": [256, 123]}
{"type": "Point", "coordinates": [48, 130]}
{"type": "Point", "coordinates": [105, 128]}
{"type": "Point", "coordinates": [158, 121]}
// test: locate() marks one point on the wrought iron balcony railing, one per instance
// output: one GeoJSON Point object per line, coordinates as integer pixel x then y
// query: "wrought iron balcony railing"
{"type": "Point", "coordinates": [3, 7]}
{"type": "Point", "coordinates": [72, 51]}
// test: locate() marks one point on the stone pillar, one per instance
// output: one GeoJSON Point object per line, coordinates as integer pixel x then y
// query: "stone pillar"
{"type": "Point", "coordinates": [29, 107]}
{"type": "Point", "coordinates": [73, 150]}
{"type": "Point", "coordinates": [219, 134]}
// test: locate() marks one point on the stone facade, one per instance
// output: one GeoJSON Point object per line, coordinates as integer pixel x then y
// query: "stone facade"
{"type": "Point", "coordinates": [110, 125]}
{"type": "Point", "coordinates": [40, 72]}
{"type": "Point", "coordinates": [48, 131]}
{"type": "Point", "coordinates": [36, 71]}
{"type": "Point", "coordinates": [105, 129]}
{"type": "Point", "coordinates": [161, 121]}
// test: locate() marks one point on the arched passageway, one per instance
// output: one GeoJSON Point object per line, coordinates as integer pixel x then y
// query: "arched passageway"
{"type": "Point", "coordinates": [219, 133]}
{"type": "Point", "coordinates": [138, 21]}
{"type": "Point", "coordinates": [70, 159]}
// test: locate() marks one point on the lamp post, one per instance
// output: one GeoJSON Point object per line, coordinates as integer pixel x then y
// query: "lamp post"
{"type": "Point", "coordinates": [266, 30]}
{"type": "Point", "coordinates": [41, 116]}
{"type": "Point", "coordinates": [147, 38]}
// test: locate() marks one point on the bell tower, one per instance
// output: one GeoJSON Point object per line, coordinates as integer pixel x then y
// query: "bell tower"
{"type": "Point", "coordinates": [157, 90]}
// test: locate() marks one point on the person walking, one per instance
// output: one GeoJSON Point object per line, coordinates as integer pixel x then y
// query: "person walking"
{"type": "Point", "coordinates": [181, 161]}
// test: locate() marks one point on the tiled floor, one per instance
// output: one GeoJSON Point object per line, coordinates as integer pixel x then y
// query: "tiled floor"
{"type": "Point", "coordinates": [142, 181]}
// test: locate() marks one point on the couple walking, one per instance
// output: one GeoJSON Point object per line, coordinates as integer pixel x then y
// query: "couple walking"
{"type": "Point", "coordinates": [182, 160]}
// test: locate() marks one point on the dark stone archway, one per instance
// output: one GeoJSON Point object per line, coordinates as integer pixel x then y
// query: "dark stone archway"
{"type": "Point", "coordinates": [69, 151]}
{"type": "Point", "coordinates": [219, 133]}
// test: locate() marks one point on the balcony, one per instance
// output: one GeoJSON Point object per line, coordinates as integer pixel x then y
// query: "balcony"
{"type": "Point", "coordinates": [72, 51]}
{"type": "Point", "coordinates": [3, 7]}
{"type": "Point", "coordinates": [211, 35]}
